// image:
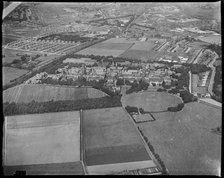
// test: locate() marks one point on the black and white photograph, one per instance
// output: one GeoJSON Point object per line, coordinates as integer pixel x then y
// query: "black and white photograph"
{"type": "Point", "coordinates": [111, 88]}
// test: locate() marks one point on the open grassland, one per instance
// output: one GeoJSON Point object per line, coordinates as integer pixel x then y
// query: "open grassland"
{"type": "Point", "coordinates": [71, 168]}
{"type": "Point", "coordinates": [110, 137]}
{"type": "Point", "coordinates": [101, 52]}
{"type": "Point", "coordinates": [10, 73]}
{"type": "Point", "coordinates": [184, 140]}
{"type": "Point", "coordinates": [41, 93]}
{"type": "Point", "coordinates": [150, 101]}
{"type": "Point", "coordinates": [42, 139]}
{"type": "Point", "coordinates": [112, 46]}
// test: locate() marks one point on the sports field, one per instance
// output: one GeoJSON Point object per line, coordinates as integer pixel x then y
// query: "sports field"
{"type": "Point", "coordinates": [151, 101]}
{"type": "Point", "coordinates": [10, 73]}
{"type": "Point", "coordinates": [110, 138]}
{"type": "Point", "coordinates": [41, 92]}
{"type": "Point", "coordinates": [184, 141]}
{"type": "Point", "coordinates": [42, 139]}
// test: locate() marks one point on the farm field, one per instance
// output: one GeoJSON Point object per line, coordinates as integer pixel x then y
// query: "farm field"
{"type": "Point", "coordinates": [184, 141]}
{"type": "Point", "coordinates": [151, 101]}
{"type": "Point", "coordinates": [110, 138]}
{"type": "Point", "coordinates": [118, 40]}
{"type": "Point", "coordinates": [112, 46]}
{"type": "Point", "coordinates": [122, 47]}
{"type": "Point", "coordinates": [143, 55]}
{"type": "Point", "coordinates": [140, 45]}
{"type": "Point", "coordinates": [71, 168]}
{"type": "Point", "coordinates": [118, 167]}
{"type": "Point", "coordinates": [101, 52]}
{"type": "Point", "coordinates": [10, 73]}
{"type": "Point", "coordinates": [42, 139]}
{"type": "Point", "coordinates": [41, 92]}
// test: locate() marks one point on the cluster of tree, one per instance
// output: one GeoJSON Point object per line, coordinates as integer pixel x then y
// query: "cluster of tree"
{"type": "Point", "coordinates": [187, 96]}
{"type": "Point", "coordinates": [165, 87]}
{"type": "Point", "coordinates": [131, 109]}
{"type": "Point", "coordinates": [191, 39]}
{"type": "Point", "coordinates": [122, 81]}
{"type": "Point", "coordinates": [174, 91]}
{"type": "Point", "coordinates": [103, 58]}
{"type": "Point", "coordinates": [216, 48]}
{"type": "Point", "coordinates": [164, 170]}
{"type": "Point", "coordinates": [21, 11]}
{"type": "Point", "coordinates": [69, 36]}
{"type": "Point", "coordinates": [217, 86]}
{"type": "Point", "coordinates": [182, 81]}
{"type": "Point", "coordinates": [59, 106]}
{"type": "Point", "coordinates": [161, 89]}
{"type": "Point", "coordinates": [198, 68]}
{"type": "Point", "coordinates": [179, 107]}
{"type": "Point", "coordinates": [217, 130]}
{"type": "Point", "coordinates": [138, 86]}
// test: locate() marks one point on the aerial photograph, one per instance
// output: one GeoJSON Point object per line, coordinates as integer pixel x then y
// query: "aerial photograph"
{"type": "Point", "coordinates": [111, 88]}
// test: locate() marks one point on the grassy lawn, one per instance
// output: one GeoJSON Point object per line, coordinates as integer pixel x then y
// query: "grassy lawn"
{"type": "Point", "coordinates": [151, 101]}
{"type": "Point", "coordinates": [184, 141]}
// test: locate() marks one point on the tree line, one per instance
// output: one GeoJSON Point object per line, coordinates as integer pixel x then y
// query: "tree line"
{"type": "Point", "coordinates": [164, 170]}
{"type": "Point", "coordinates": [59, 106]}
{"type": "Point", "coordinates": [138, 86]}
